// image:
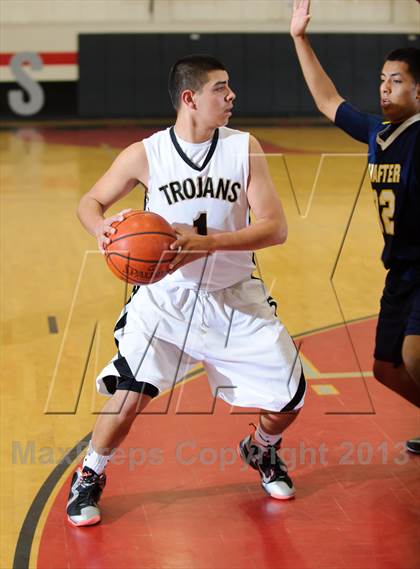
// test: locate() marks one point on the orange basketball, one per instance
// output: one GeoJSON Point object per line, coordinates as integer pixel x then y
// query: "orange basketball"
{"type": "Point", "coordinates": [139, 250]}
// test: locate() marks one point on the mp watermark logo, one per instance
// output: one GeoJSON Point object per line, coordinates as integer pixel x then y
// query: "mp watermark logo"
{"type": "Point", "coordinates": [65, 393]}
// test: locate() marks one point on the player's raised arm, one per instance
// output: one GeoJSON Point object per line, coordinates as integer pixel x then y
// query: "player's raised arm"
{"type": "Point", "coordinates": [124, 174]}
{"type": "Point", "coordinates": [323, 90]}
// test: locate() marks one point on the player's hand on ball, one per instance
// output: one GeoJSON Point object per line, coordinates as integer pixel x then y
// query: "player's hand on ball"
{"type": "Point", "coordinates": [183, 229]}
{"type": "Point", "coordinates": [104, 228]}
{"type": "Point", "coordinates": [189, 246]}
{"type": "Point", "coordinates": [300, 18]}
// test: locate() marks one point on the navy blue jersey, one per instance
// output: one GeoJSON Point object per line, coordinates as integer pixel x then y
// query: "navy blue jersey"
{"type": "Point", "coordinates": [394, 168]}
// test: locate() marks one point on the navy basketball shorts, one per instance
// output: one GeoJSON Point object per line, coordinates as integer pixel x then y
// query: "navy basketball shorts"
{"type": "Point", "coordinates": [399, 315]}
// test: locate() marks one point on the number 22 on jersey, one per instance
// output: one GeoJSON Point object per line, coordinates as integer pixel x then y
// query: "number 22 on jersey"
{"type": "Point", "coordinates": [385, 203]}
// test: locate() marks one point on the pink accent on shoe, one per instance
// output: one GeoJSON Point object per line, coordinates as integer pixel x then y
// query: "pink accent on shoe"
{"type": "Point", "coordinates": [91, 522]}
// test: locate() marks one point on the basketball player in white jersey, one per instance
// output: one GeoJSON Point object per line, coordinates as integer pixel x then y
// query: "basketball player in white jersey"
{"type": "Point", "coordinates": [204, 178]}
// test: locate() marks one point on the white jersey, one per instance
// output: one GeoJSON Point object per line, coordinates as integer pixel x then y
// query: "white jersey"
{"type": "Point", "coordinates": [204, 185]}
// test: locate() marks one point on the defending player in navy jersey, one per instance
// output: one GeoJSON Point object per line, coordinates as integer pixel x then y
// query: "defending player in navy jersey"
{"type": "Point", "coordinates": [205, 179]}
{"type": "Point", "coordinates": [394, 169]}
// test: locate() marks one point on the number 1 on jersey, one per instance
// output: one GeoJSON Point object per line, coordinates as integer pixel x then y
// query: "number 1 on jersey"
{"type": "Point", "coordinates": [200, 222]}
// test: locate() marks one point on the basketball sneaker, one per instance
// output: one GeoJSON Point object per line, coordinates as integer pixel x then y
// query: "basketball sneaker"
{"type": "Point", "coordinates": [85, 492]}
{"type": "Point", "coordinates": [274, 478]}
{"type": "Point", "coordinates": [413, 445]}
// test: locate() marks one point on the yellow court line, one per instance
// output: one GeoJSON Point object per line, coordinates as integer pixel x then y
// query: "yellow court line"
{"type": "Point", "coordinates": [341, 375]}
{"type": "Point", "coordinates": [310, 368]}
{"type": "Point", "coordinates": [325, 390]}
{"type": "Point", "coordinates": [312, 372]}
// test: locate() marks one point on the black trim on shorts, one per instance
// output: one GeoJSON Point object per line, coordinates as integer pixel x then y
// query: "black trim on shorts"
{"type": "Point", "coordinates": [110, 382]}
{"type": "Point", "coordinates": [121, 365]}
{"type": "Point", "coordinates": [121, 322]}
{"type": "Point", "coordinates": [143, 387]}
{"type": "Point", "coordinates": [270, 300]}
{"type": "Point", "coordinates": [115, 383]}
{"type": "Point", "coordinates": [300, 392]}
{"type": "Point", "coordinates": [126, 380]}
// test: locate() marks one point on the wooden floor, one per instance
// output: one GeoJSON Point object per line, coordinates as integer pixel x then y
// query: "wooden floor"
{"type": "Point", "coordinates": [59, 301]}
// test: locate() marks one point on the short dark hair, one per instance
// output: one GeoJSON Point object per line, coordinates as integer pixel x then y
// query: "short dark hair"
{"type": "Point", "coordinates": [411, 56]}
{"type": "Point", "coordinates": [190, 72]}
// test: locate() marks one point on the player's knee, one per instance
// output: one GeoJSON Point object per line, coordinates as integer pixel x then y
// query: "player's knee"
{"type": "Point", "coordinates": [127, 414]}
{"type": "Point", "coordinates": [411, 357]}
{"type": "Point", "coordinates": [381, 371]}
{"type": "Point", "coordinates": [130, 405]}
{"type": "Point", "coordinates": [412, 365]}
{"type": "Point", "coordinates": [377, 370]}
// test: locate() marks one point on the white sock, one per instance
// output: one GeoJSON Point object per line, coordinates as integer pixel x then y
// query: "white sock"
{"type": "Point", "coordinates": [96, 462]}
{"type": "Point", "coordinates": [263, 439]}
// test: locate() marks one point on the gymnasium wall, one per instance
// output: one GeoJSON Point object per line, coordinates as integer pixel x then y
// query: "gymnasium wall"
{"type": "Point", "coordinates": [126, 74]}
{"type": "Point", "coordinates": [250, 35]}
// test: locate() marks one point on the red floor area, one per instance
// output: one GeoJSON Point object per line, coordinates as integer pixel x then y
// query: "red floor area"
{"type": "Point", "coordinates": [189, 502]}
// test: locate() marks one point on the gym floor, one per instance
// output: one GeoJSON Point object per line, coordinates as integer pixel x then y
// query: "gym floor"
{"type": "Point", "coordinates": [179, 496]}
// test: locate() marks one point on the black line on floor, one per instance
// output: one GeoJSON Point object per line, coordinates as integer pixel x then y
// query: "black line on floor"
{"type": "Point", "coordinates": [336, 325]}
{"type": "Point", "coordinates": [52, 325]}
{"type": "Point", "coordinates": [30, 523]}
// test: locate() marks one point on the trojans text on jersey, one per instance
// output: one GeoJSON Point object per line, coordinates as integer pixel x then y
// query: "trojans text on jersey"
{"type": "Point", "coordinates": [201, 187]}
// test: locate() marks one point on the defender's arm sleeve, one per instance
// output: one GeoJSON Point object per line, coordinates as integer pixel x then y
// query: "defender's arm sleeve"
{"type": "Point", "coordinates": [355, 123]}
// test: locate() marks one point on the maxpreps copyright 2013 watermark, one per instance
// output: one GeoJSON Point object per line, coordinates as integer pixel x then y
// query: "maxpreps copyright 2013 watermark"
{"type": "Point", "coordinates": [188, 453]}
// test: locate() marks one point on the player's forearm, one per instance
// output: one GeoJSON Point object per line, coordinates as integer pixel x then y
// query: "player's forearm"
{"type": "Point", "coordinates": [262, 233]}
{"type": "Point", "coordinates": [320, 85]}
{"type": "Point", "coordinates": [90, 212]}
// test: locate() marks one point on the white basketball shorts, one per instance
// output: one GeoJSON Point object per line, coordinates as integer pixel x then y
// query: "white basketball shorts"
{"type": "Point", "coordinates": [249, 357]}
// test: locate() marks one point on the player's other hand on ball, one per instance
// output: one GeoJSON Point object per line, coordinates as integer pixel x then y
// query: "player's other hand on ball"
{"type": "Point", "coordinates": [184, 229]}
{"type": "Point", "coordinates": [189, 246]}
{"type": "Point", "coordinates": [104, 228]}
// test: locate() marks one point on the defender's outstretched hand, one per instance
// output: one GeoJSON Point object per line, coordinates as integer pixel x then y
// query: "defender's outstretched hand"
{"type": "Point", "coordinates": [322, 89]}
{"type": "Point", "coordinates": [300, 18]}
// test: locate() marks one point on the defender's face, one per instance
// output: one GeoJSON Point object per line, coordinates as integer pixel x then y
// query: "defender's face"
{"type": "Point", "coordinates": [214, 101]}
{"type": "Point", "coordinates": [400, 95]}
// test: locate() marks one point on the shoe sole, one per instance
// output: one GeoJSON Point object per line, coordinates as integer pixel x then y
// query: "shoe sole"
{"type": "Point", "coordinates": [83, 523]}
{"type": "Point", "coordinates": [291, 497]}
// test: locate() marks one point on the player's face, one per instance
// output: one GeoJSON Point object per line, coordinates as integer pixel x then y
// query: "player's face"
{"type": "Point", "coordinates": [214, 101]}
{"type": "Point", "coordinates": [400, 95]}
